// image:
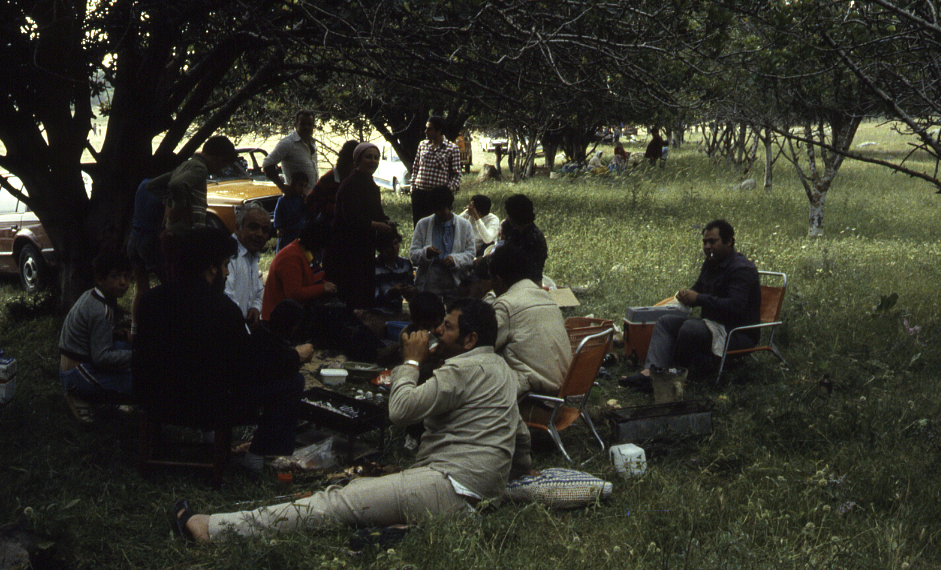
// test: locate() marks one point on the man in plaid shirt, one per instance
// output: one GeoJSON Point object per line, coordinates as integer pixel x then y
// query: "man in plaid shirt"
{"type": "Point", "coordinates": [438, 163]}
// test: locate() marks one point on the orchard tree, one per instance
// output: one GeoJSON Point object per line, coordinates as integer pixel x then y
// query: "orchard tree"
{"type": "Point", "coordinates": [167, 72]}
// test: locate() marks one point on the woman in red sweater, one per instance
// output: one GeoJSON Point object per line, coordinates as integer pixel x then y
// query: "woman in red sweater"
{"type": "Point", "coordinates": [293, 273]}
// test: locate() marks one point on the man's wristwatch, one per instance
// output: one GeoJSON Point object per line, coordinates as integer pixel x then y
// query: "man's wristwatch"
{"type": "Point", "coordinates": [412, 363]}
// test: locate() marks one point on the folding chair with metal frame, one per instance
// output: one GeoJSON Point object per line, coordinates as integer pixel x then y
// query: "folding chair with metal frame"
{"type": "Point", "coordinates": [771, 300]}
{"type": "Point", "coordinates": [555, 413]}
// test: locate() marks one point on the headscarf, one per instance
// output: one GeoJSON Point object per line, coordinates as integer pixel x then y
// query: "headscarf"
{"type": "Point", "coordinates": [360, 149]}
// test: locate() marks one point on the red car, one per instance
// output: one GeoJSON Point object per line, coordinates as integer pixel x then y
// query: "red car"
{"type": "Point", "coordinates": [24, 246]}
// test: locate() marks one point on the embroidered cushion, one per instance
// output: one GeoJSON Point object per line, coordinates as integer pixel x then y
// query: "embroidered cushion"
{"type": "Point", "coordinates": [560, 488]}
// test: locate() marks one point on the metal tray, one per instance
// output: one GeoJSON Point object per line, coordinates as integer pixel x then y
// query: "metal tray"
{"type": "Point", "coordinates": [660, 422]}
{"type": "Point", "coordinates": [323, 407]}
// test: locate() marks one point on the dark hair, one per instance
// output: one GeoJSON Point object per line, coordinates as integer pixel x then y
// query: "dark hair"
{"type": "Point", "coordinates": [110, 258]}
{"type": "Point", "coordinates": [303, 113]}
{"type": "Point", "coordinates": [441, 197]}
{"type": "Point", "coordinates": [386, 238]}
{"type": "Point", "coordinates": [510, 264]}
{"type": "Point", "coordinates": [285, 317]}
{"type": "Point", "coordinates": [436, 122]}
{"type": "Point", "coordinates": [300, 177]}
{"type": "Point", "coordinates": [426, 307]}
{"type": "Point", "coordinates": [482, 268]}
{"type": "Point", "coordinates": [482, 204]}
{"type": "Point", "coordinates": [315, 234]}
{"type": "Point", "coordinates": [220, 146]}
{"type": "Point", "coordinates": [476, 317]}
{"type": "Point", "coordinates": [345, 159]}
{"type": "Point", "coordinates": [726, 232]}
{"type": "Point", "coordinates": [520, 209]}
{"type": "Point", "coordinates": [202, 248]}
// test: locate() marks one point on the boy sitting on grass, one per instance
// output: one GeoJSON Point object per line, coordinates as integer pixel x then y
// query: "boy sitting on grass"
{"type": "Point", "coordinates": [289, 212]}
{"type": "Point", "coordinates": [95, 356]}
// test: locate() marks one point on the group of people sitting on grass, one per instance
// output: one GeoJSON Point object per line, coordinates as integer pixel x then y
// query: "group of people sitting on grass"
{"type": "Point", "coordinates": [215, 346]}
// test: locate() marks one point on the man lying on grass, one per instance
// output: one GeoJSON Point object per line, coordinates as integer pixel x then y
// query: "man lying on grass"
{"type": "Point", "coordinates": [472, 427]}
{"type": "Point", "coordinates": [729, 293]}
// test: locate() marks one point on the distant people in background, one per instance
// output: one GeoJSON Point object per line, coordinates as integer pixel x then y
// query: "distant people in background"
{"type": "Point", "coordinates": [595, 161]}
{"type": "Point", "coordinates": [296, 152]}
{"type": "Point", "coordinates": [442, 247]}
{"type": "Point", "coordinates": [143, 245]}
{"type": "Point", "coordinates": [519, 230]}
{"type": "Point", "coordinates": [322, 199]}
{"type": "Point", "coordinates": [393, 274]}
{"type": "Point", "coordinates": [94, 354]}
{"type": "Point", "coordinates": [294, 273]}
{"type": "Point", "coordinates": [350, 258]}
{"type": "Point", "coordinates": [620, 152]}
{"type": "Point", "coordinates": [620, 158]}
{"type": "Point", "coordinates": [244, 285]}
{"type": "Point", "coordinates": [486, 226]}
{"type": "Point", "coordinates": [289, 214]}
{"type": "Point", "coordinates": [654, 148]}
{"type": "Point", "coordinates": [437, 163]}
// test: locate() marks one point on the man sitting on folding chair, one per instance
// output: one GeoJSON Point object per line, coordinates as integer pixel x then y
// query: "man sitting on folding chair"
{"type": "Point", "coordinates": [729, 293]}
{"type": "Point", "coordinates": [532, 336]}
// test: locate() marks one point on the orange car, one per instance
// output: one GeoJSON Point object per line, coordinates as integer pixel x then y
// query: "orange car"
{"type": "Point", "coordinates": [25, 249]}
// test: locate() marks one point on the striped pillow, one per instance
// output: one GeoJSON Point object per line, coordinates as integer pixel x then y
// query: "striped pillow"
{"type": "Point", "coordinates": [559, 488]}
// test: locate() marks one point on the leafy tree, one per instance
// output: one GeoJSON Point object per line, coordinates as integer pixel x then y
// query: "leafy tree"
{"type": "Point", "coordinates": [169, 72]}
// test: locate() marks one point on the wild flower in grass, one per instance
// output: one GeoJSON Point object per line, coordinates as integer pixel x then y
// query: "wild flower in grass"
{"type": "Point", "coordinates": [845, 508]}
{"type": "Point", "coordinates": [909, 329]}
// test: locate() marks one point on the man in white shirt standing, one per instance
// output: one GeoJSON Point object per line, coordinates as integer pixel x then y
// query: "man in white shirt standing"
{"type": "Point", "coordinates": [486, 226]}
{"type": "Point", "coordinates": [244, 285]}
{"type": "Point", "coordinates": [296, 153]}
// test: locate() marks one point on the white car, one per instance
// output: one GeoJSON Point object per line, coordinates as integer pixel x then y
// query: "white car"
{"type": "Point", "coordinates": [392, 172]}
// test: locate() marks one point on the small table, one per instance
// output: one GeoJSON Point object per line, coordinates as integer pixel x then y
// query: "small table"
{"type": "Point", "coordinates": [345, 415]}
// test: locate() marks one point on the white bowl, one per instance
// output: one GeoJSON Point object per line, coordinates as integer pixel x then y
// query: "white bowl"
{"type": "Point", "coordinates": [333, 376]}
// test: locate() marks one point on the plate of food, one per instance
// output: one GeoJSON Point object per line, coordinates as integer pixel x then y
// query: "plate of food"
{"type": "Point", "coordinates": [361, 370]}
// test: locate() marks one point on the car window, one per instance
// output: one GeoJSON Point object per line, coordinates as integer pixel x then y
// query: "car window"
{"type": "Point", "coordinates": [8, 202]}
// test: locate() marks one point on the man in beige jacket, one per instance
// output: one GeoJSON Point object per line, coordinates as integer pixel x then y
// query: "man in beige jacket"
{"type": "Point", "coordinates": [471, 423]}
{"type": "Point", "coordinates": [531, 336]}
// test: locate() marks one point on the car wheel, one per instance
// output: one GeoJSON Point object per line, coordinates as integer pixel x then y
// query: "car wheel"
{"type": "Point", "coordinates": [395, 186]}
{"type": "Point", "coordinates": [33, 269]}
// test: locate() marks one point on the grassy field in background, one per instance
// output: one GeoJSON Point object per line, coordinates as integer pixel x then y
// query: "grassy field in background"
{"type": "Point", "coordinates": [793, 477]}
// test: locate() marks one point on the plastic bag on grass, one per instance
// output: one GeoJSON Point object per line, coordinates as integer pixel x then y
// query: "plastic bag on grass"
{"type": "Point", "coordinates": [311, 458]}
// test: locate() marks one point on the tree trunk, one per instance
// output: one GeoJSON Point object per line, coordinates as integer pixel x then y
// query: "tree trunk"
{"type": "Point", "coordinates": [769, 160]}
{"type": "Point", "coordinates": [817, 196]}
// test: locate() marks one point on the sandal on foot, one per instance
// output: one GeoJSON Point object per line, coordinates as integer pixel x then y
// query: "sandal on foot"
{"type": "Point", "coordinates": [80, 409]}
{"type": "Point", "coordinates": [180, 519]}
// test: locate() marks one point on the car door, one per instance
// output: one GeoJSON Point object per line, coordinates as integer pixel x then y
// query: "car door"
{"type": "Point", "coordinates": [10, 223]}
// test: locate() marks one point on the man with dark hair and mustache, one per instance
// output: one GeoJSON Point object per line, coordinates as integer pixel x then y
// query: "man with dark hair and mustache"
{"type": "Point", "coordinates": [729, 293]}
{"type": "Point", "coordinates": [195, 363]}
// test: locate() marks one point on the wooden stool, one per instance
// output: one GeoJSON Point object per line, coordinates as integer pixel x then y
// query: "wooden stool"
{"type": "Point", "coordinates": [152, 447]}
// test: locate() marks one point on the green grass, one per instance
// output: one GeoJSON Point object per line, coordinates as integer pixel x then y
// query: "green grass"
{"type": "Point", "coordinates": [793, 477]}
